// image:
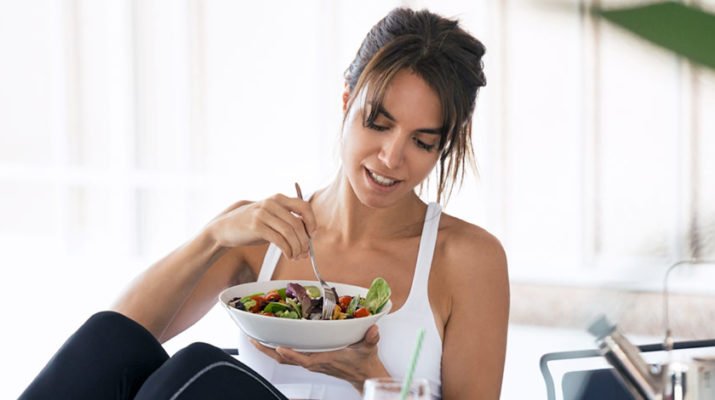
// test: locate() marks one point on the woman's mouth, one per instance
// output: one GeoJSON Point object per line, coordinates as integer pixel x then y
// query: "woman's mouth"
{"type": "Point", "coordinates": [381, 180]}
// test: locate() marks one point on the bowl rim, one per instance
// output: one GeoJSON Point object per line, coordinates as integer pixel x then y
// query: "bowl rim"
{"type": "Point", "coordinates": [385, 309]}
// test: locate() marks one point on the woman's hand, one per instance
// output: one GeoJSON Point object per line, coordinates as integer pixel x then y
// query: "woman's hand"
{"type": "Point", "coordinates": [278, 219]}
{"type": "Point", "coordinates": [355, 363]}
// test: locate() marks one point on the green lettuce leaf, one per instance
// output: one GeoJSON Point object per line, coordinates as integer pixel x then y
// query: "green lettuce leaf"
{"type": "Point", "coordinates": [378, 295]}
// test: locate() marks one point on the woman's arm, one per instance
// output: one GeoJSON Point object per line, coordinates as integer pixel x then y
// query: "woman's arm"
{"type": "Point", "coordinates": [475, 335]}
{"type": "Point", "coordinates": [155, 297]}
{"type": "Point", "coordinates": [180, 288]}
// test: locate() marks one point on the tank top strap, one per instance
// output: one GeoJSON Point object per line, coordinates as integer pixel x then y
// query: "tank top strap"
{"type": "Point", "coordinates": [418, 292]}
{"type": "Point", "coordinates": [270, 260]}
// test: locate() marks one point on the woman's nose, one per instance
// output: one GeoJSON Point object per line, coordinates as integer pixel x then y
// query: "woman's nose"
{"type": "Point", "coordinates": [392, 151]}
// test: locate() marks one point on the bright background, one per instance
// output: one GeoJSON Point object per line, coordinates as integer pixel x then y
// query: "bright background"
{"type": "Point", "coordinates": [126, 125]}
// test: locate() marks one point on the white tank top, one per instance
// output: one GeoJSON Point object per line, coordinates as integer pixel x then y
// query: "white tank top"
{"type": "Point", "coordinates": [398, 335]}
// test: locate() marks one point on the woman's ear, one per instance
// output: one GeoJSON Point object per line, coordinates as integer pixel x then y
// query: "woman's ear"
{"type": "Point", "coordinates": [346, 97]}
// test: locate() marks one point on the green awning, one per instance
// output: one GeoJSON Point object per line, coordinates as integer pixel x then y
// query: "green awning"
{"type": "Point", "coordinates": [685, 30]}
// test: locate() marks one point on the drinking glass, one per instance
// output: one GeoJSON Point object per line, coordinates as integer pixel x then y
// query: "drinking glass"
{"type": "Point", "coordinates": [390, 388]}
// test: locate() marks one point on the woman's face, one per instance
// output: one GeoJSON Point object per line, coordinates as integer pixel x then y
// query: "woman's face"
{"type": "Point", "coordinates": [386, 160]}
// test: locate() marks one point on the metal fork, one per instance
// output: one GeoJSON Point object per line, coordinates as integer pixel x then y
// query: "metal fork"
{"type": "Point", "coordinates": [330, 296]}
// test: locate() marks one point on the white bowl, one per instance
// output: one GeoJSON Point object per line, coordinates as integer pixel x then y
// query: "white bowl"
{"type": "Point", "coordinates": [299, 334]}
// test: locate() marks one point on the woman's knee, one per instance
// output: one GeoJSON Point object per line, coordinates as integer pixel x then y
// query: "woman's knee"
{"type": "Point", "coordinates": [200, 353]}
{"type": "Point", "coordinates": [106, 318]}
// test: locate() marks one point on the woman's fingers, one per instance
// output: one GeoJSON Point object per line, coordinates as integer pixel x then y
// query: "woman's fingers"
{"type": "Point", "coordinates": [282, 224]}
{"type": "Point", "coordinates": [272, 353]}
{"type": "Point", "coordinates": [296, 224]}
{"type": "Point", "coordinates": [300, 207]}
{"type": "Point", "coordinates": [279, 219]}
{"type": "Point", "coordinates": [278, 239]}
{"type": "Point", "coordinates": [306, 213]}
{"type": "Point", "coordinates": [294, 358]}
{"type": "Point", "coordinates": [298, 214]}
{"type": "Point", "coordinates": [372, 336]}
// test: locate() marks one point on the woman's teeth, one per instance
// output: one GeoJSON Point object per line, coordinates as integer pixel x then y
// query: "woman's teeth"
{"type": "Point", "coordinates": [381, 179]}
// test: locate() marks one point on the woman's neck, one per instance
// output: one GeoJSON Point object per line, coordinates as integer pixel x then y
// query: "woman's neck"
{"type": "Point", "coordinates": [347, 221]}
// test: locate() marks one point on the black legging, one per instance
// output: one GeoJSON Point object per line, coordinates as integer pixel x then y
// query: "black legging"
{"type": "Point", "coordinates": [113, 357]}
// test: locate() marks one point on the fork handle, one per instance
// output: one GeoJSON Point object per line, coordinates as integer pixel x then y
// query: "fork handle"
{"type": "Point", "coordinates": [298, 191]}
{"type": "Point", "coordinates": [311, 253]}
{"type": "Point", "coordinates": [300, 196]}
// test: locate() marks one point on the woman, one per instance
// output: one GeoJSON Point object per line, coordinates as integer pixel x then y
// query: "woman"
{"type": "Point", "coordinates": [408, 103]}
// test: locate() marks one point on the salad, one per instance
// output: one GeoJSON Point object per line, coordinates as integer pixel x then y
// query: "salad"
{"type": "Point", "coordinates": [296, 301]}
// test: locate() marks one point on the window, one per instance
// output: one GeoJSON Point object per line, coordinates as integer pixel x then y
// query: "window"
{"type": "Point", "coordinates": [602, 152]}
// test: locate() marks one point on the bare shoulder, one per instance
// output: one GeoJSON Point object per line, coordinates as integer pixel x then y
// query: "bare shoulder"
{"type": "Point", "coordinates": [469, 251]}
{"type": "Point", "coordinates": [473, 269]}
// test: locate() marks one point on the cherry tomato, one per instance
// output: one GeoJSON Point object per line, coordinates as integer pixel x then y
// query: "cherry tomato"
{"type": "Point", "coordinates": [361, 312]}
{"type": "Point", "coordinates": [260, 303]}
{"type": "Point", "coordinates": [273, 296]}
{"type": "Point", "coordinates": [344, 302]}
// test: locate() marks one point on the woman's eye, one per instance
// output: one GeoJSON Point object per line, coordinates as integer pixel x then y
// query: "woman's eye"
{"type": "Point", "coordinates": [375, 127]}
{"type": "Point", "coordinates": [422, 145]}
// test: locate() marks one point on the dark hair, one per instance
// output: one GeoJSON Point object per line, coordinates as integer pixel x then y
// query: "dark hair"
{"type": "Point", "coordinates": [448, 58]}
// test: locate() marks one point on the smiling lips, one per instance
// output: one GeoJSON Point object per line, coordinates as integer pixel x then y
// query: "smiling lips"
{"type": "Point", "coordinates": [380, 179]}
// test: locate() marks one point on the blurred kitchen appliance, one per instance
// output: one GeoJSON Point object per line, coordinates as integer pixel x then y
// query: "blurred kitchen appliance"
{"type": "Point", "coordinates": [692, 380]}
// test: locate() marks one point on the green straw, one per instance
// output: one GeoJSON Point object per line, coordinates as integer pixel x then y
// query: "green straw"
{"type": "Point", "coordinates": [413, 362]}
